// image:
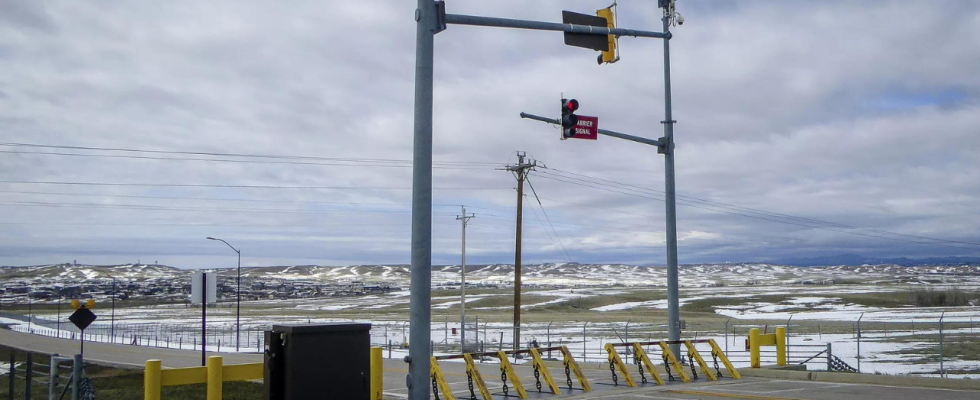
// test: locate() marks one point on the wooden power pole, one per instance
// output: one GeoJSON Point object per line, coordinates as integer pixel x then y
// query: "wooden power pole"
{"type": "Point", "coordinates": [520, 170]}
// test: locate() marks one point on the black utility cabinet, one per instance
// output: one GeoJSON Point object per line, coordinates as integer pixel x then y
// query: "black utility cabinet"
{"type": "Point", "coordinates": [318, 361]}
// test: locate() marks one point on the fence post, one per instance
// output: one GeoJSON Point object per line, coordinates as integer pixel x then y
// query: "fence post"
{"type": "Point", "coordinates": [830, 358]}
{"type": "Point", "coordinates": [583, 341]}
{"type": "Point", "coordinates": [942, 368]}
{"type": "Point", "coordinates": [13, 359]}
{"type": "Point", "coordinates": [52, 376]}
{"type": "Point", "coordinates": [151, 380]}
{"type": "Point", "coordinates": [549, 338]}
{"type": "Point", "coordinates": [76, 375]}
{"type": "Point", "coordinates": [859, 342]}
{"type": "Point", "coordinates": [28, 375]}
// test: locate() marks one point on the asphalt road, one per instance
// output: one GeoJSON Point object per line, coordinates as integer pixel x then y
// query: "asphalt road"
{"type": "Point", "coordinates": [600, 377]}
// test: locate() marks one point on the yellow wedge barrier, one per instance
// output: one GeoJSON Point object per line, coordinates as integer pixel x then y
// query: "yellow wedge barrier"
{"type": "Point", "coordinates": [570, 364]}
{"type": "Point", "coordinates": [718, 354]}
{"type": "Point", "coordinates": [473, 374]}
{"type": "Point", "coordinates": [155, 377]}
{"type": "Point", "coordinates": [377, 373]}
{"type": "Point", "coordinates": [651, 369]}
{"type": "Point", "coordinates": [692, 354]}
{"type": "Point", "coordinates": [439, 381]}
{"type": "Point", "coordinates": [671, 361]}
{"type": "Point", "coordinates": [507, 370]}
{"type": "Point", "coordinates": [542, 370]}
{"type": "Point", "coordinates": [615, 362]}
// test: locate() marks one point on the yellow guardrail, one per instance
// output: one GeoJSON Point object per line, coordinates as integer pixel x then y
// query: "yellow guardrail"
{"type": "Point", "coordinates": [757, 340]}
{"type": "Point", "coordinates": [214, 374]}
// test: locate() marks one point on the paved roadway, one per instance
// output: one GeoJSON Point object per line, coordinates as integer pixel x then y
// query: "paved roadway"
{"type": "Point", "coordinates": [598, 375]}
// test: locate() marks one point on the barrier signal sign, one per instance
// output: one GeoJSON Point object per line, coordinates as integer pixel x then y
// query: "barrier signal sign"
{"type": "Point", "coordinates": [82, 318]}
{"type": "Point", "coordinates": [587, 128]}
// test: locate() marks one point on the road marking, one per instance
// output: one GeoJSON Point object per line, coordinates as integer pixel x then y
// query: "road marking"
{"type": "Point", "coordinates": [728, 395]}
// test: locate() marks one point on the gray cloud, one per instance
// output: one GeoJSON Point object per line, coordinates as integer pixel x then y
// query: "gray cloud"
{"type": "Point", "coordinates": [862, 114]}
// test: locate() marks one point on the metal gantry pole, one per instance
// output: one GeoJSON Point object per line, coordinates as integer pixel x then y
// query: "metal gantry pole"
{"type": "Point", "coordinates": [420, 299]}
{"type": "Point", "coordinates": [673, 302]}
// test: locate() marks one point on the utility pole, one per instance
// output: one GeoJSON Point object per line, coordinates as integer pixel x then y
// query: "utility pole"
{"type": "Point", "coordinates": [462, 287]}
{"type": "Point", "coordinates": [520, 170]}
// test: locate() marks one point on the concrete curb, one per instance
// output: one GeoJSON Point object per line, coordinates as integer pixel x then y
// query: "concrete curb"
{"type": "Point", "coordinates": [842, 377]}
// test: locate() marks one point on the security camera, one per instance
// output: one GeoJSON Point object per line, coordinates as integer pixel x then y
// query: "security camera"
{"type": "Point", "coordinates": [680, 19]}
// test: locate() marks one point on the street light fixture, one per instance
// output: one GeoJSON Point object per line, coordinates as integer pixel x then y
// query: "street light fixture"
{"type": "Point", "coordinates": [238, 313]}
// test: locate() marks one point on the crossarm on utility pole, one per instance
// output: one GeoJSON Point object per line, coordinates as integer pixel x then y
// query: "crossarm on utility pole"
{"type": "Point", "coordinates": [652, 142]}
{"type": "Point", "coordinates": [458, 19]}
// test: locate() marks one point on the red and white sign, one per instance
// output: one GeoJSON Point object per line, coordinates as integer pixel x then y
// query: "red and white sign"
{"type": "Point", "coordinates": [587, 128]}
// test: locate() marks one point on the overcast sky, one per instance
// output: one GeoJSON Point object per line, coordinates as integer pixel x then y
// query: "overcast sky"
{"type": "Point", "coordinates": [804, 129]}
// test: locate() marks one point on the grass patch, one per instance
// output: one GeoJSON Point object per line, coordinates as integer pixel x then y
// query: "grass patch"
{"type": "Point", "coordinates": [944, 298]}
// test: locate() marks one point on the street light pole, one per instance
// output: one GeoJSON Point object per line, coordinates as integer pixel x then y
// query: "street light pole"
{"type": "Point", "coordinates": [238, 312]}
{"type": "Point", "coordinates": [673, 303]}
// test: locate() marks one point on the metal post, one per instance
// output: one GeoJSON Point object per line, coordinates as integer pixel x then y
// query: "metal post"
{"type": "Point", "coordinates": [204, 319]}
{"type": "Point", "coordinates": [52, 376]}
{"type": "Point", "coordinates": [10, 385]}
{"type": "Point", "coordinates": [112, 320]}
{"type": "Point", "coordinates": [583, 341]}
{"type": "Point", "coordinates": [238, 311]}
{"type": "Point", "coordinates": [76, 376]}
{"type": "Point", "coordinates": [859, 342]}
{"type": "Point", "coordinates": [830, 357]}
{"type": "Point", "coordinates": [726, 334]}
{"type": "Point", "coordinates": [28, 375]}
{"type": "Point", "coordinates": [549, 338]}
{"type": "Point", "coordinates": [787, 332]}
{"type": "Point", "coordinates": [59, 317]}
{"type": "Point", "coordinates": [421, 278]}
{"type": "Point", "coordinates": [942, 365]}
{"type": "Point", "coordinates": [673, 302]}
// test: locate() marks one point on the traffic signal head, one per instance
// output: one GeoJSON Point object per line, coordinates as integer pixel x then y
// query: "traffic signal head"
{"type": "Point", "coordinates": [568, 117]}
{"type": "Point", "coordinates": [608, 56]}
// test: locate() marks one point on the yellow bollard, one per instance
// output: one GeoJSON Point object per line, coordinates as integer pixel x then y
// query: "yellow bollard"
{"type": "Point", "coordinates": [754, 348]}
{"type": "Point", "coordinates": [780, 346]}
{"type": "Point", "coordinates": [151, 380]}
{"type": "Point", "coordinates": [377, 373]}
{"type": "Point", "coordinates": [215, 367]}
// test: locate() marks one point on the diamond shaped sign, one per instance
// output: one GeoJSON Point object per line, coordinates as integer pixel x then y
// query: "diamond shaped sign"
{"type": "Point", "coordinates": [82, 318]}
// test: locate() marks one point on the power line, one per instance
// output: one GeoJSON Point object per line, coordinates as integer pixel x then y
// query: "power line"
{"type": "Point", "coordinates": [344, 163]}
{"type": "Point", "coordinates": [244, 155]}
{"type": "Point", "coordinates": [235, 186]}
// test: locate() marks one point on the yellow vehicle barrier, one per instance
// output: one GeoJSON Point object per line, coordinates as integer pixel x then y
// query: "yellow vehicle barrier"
{"type": "Point", "coordinates": [671, 361]}
{"type": "Point", "coordinates": [572, 366]}
{"type": "Point", "coordinates": [439, 381]}
{"type": "Point", "coordinates": [377, 373]}
{"type": "Point", "coordinates": [692, 356]}
{"type": "Point", "coordinates": [214, 374]}
{"type": "Point", "coordinates": [541, 370]}
{"type": "Point", "coordinates": [617, 363]}
{"type": "Point", "coordinates": [507, 373]}
{"type": "Point", "coordinates": [651, 369]}
{"type": "Point", "coordinates": [757, 340]}
{"type": "Point", "coordinates": [718, 354]}
{"type": "Point", "coordinates": [475, 379]}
